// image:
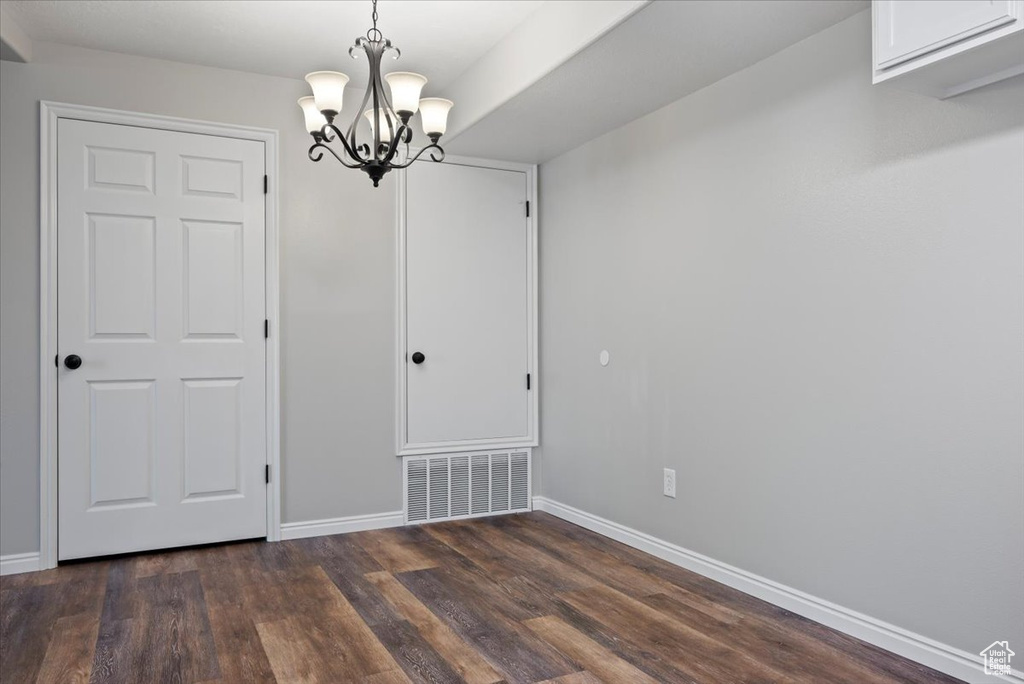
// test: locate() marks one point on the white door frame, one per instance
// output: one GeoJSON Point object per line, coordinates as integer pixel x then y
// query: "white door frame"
{"type": "Point", "coordinates": [49, 114]}
{"type": "Point", "coordinates": [402, 445]}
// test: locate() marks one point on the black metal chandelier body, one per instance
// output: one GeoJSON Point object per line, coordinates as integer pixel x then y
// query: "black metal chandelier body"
{"type": "Point", "coordinates": [390, 129]}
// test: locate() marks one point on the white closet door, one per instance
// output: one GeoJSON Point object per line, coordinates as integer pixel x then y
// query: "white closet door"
{"type": "Point", "coordinates": [467, 294]}
{"type": "Point", "coordinates": [162, 429]}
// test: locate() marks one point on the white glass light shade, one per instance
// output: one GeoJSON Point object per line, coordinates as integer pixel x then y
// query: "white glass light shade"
{"type": "Point", "coordinates": [314, 119]}
{"type": "Point", "coordinates": [385, 132]}
{"type": "Point", "coordinates": [328, 89]}
{"type": "Point", "coordinates": [434, 112]}
{"type": "Point", "coordinates": [405, 90]}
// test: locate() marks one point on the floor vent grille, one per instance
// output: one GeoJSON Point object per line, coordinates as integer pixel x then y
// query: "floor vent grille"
{"type": "Point", "coordinates": [452, 486]}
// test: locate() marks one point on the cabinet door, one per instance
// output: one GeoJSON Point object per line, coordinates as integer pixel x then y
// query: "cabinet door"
{"type": "Point", "coordinates": [905, 29]}
{"type": "Point", "coordinates": [468, 307]}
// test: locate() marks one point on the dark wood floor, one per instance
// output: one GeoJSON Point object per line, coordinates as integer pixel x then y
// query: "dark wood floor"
{"type": "Point", "coordinates": [525, 598]}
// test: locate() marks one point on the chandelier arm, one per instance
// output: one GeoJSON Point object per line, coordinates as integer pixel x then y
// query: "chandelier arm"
{"type": "Point", "coordinates": [396, 141]}
{"type": "Point", "coordinates": [318, 149]}
{"type": "Point", "coordinates": [390, 116]}
{"type": "Point", "coordinates": [325, 135]}
{"type": "Point", "coordinates": [419, 154]}
{"type": "Point", "coordinates": [373, 88]}
{"type": "Point", "coordinates": [351, 134]}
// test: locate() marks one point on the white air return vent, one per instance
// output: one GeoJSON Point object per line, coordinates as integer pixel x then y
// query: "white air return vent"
{"type": "Point", "coordinates": [451, 486]}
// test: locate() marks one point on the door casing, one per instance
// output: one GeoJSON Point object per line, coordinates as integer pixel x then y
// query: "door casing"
{"type": "Point", "coordinates": [402, 445]}
{"type": "Point", "coordinates": [49, 114]}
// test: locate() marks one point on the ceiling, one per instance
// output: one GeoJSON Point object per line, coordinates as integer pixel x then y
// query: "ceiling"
{"type": "Point", "coordinates": [661, 53]}
{"type": "Point", "coordinates": [290, 38]}
{"type": "Point", "coordinates": [530, 102]}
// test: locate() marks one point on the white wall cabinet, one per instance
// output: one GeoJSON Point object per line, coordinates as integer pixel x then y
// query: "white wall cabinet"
{"type": "Point", "coordinates": [467, 314]}
{"type": "Point", "coordinates": [944, 48]}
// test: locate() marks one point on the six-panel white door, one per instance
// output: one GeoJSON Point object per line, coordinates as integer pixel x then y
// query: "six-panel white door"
{"type": "Point", "coordinates": [467, 305]}
{"type": "Point", "coordinates": [161, 293]}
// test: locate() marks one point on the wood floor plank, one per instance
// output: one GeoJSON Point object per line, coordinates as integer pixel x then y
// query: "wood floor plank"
{"type": "Point", "coordinates": [31, 615]}
{"type": "Point", "coordinates": [121, 597]}
{"type": "Point", "coordinates": [177, 631]}
{"type": "Point", "coordinates": [867, 655]}
{"type": "Point", "coordinates": [240, 652]}
{"type": "Point", "coordinates": [470, 665]}
{"type": "Point", "coordinates": [734, 603]}
{"type": "Point", "coordinates": [150, 564]}
{"type": "Point", "coordinates": [586, 652]}
{"type": "Point", "coordinates": [524, 598]}
{"type": "Point", "coordinates": [69, 656]}
{"type": "Point", "coordinates": [266, 593]}
{"type": "Point", "coordinates": [291, 655]}
{"type": "Point", "coordinates": [419, 660]}
{"type": "Point", "coordinates": [329, 618]}
{"type": "Point", "coordinates": [325, 639]}
{"type": "Point", "coordinates": [488, 576]}
{"type": "Point", "coordinates": [154, 628]}
{"type": "Point", "coordinates": [501, 554]}
{"type": "Point", "coordinates": [803, 658]}
{"type": "Point", "coordinates": [389, 677]}
{"type": "Point", "coordinates": [460, 539]}
{"type": "Point", "coordinates": [342, 559]}
{"type": "Point", "coordinates": [30, 579]}
{"type": "Point", "coordinates": [615, 570]}
{"type": "Point", "coordinates": [393, 554]}
{"type": "Point", "coordinates": [115, 651]}
{"type": "Point", "coordinates": [661, 668]}
{"type": "Point", "coordinates": [521, 598]}
{"type": "Point", "coordinates": [485, 581]}
{"type": "Point", "coordinates": [510, 647]}
{"type": "Point", "coordinates": [695, 653]}
{"type": "Point", "coordinates": [26, 616]}
{"type": "Point", "coordinates": [580, 678]}
{"type": "Point", "coordinates": [346, 563]}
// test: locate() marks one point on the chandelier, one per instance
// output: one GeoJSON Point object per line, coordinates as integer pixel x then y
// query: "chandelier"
{"type": "Point", "coordinates": [388, 116]}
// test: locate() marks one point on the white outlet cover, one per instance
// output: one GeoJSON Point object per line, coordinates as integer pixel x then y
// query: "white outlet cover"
{"type": "Point", "coordinates": [604, 357]}
{"type": "Point", "coordinates": [670, 482]}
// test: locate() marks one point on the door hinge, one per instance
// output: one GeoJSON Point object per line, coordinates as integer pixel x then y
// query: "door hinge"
{"type": "Point", "coordinates": [268, 474]}
{"type": "Point", "coordinates": [56, 361]}
{"type": "Point", "coordinates": [266, 328]}
{"type": "Point", "coordinates": [527, 208]}
{"type": "Point", "coordinates": [527, 381]}
{"type": "Point", "coordinates": [266, 183]}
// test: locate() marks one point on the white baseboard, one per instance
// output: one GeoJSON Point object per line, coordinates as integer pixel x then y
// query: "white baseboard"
{"type": "Point", "coordinates": [938, 656]}
{"type": "Point", "coordinates": [16, 563]}
{"type": "Point", "coordinates": [352, 523]}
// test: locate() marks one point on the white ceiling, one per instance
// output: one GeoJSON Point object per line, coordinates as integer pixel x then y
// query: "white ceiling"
{"type": "Point", "coordinates": [664, 52]}
{"type": "Point", "coordinates": [284, 38]}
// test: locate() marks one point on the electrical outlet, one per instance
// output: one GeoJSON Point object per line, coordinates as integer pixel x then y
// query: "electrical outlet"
{"type": "Point", "coordinates": [670, 482]}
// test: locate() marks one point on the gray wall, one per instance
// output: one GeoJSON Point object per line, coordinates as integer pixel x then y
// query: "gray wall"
{"type": "Point", "coordinates": [337, 282]}
{"type": "Point", "coordinates": [811, 289]}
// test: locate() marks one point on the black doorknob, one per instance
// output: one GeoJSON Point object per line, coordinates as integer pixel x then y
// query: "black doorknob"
{"type": "Point", "coordinates": [72, 361]}
{"type": "Point", "coordinates": [418, 358]}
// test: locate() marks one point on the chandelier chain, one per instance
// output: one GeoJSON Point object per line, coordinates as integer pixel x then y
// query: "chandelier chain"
{"type": "Point", "coordinates": [374, 33]}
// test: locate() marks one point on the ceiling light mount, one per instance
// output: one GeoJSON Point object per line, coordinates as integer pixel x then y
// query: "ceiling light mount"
{"type": "Point", "coordinates": [388, 116]}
